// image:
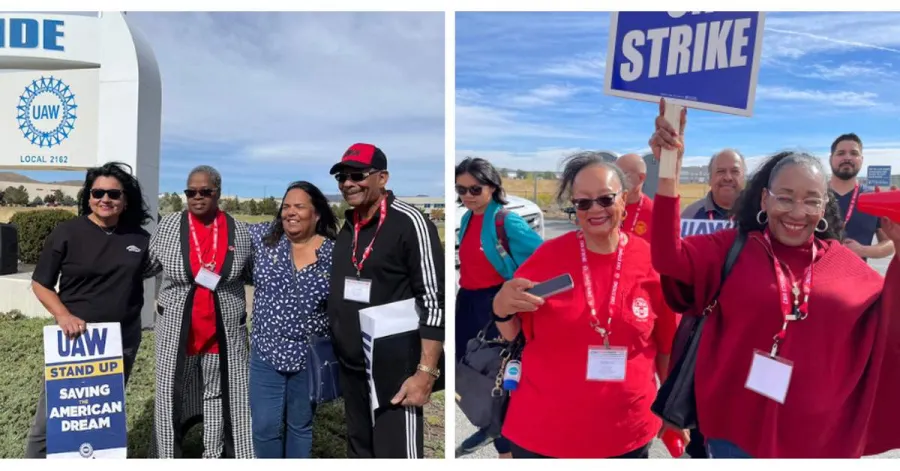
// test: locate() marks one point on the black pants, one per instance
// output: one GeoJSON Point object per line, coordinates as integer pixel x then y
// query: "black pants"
{"type": "Point", "coordinates": [696, 449]}
{"type": "Point", "coordinates": [36, 441]}
{"type": "Point", "coordinates": [519, 452]}
{"type": "Point", "coordinates": [397, 432]}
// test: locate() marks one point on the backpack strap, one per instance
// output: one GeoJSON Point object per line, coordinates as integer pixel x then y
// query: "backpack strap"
{"type": "Point", "coordinates": [502, 238]}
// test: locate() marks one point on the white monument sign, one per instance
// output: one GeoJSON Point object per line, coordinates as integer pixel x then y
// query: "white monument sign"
{"type": "Point", "coordinates": [76, 92]}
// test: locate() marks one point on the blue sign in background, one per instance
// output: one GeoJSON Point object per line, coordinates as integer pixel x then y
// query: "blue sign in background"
{"type": "Point", "coordinates": [114, 436]}
{"type": "Point", "coordinates": [878, 175]}
{"type": "Point", "coordinates": [729, 87]}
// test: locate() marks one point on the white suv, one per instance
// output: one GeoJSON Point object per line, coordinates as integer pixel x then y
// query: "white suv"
{"type": "Point", "coordinates": [529, 211]}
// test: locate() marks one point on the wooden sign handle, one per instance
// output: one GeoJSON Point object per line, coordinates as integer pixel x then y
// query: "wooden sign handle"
{"type": "Point", "coordinates": [669, 158]}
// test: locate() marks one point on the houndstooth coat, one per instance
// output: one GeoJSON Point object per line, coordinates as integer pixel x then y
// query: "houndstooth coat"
{"type": "Point", "coordinates": [178, 392]}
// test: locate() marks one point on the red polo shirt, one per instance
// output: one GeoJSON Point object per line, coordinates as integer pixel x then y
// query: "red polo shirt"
{"type": "Point", "coordinates": [556, 411]}
{"type": "Point", "coordinates": [638, 217]}
{"type": "Point", "coordinates": [202, 338]}
{"type": "Point", "coordinates": [475, 270]}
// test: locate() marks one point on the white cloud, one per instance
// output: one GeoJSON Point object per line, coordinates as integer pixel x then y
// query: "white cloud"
{"type": "Point", "coordinates": [476, 123]}
{"type": "Point", "coordinates": [832, 98]}
{"type": "Point", "coordinates": [588, 67]}
{"type": "Point", "coordinates": [847, 71]}
{"type": "Point", "coordinates": [544, 95]}
{"type": "Point", "coordinates": [301, 87]}
{"type": "Point", "coordinates": [793, 36]}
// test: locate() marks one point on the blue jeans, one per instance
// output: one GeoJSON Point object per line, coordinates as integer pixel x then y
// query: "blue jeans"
{"type": "Point", "coordinates": [281, 412]}
{"type": "Point", "coordinates": [723, 449]}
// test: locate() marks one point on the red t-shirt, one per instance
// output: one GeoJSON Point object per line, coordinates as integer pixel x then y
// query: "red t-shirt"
{"type": "Point", "coordinates": [202, 337]}
{"type": "Point", "coordinates": [556, 411]}
{"type": "Point", "coordinates": [475, 270]}
{"type": "Point", "coordinates": [638, 216]}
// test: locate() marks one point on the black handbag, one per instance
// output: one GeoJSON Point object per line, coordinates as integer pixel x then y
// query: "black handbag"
{"type": "Point", "coordinates": [676, 402]}
{"type": "Point", "coordinates": [321, 361]}
{"type": "Point", "coordinates": [479, 380]}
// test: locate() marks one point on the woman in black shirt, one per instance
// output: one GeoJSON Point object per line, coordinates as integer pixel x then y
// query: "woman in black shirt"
{"type": "Point", "coordinates": [99, 259]}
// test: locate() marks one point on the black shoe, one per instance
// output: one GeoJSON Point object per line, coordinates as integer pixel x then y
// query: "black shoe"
{"type": "Point", "coordinates": [477, 441]}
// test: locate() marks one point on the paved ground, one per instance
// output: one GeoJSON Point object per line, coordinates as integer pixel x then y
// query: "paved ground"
{"type": "Point", "coordinates": [553, 229]}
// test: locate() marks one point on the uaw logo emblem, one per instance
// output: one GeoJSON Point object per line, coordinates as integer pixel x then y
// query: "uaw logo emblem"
{"type": "Point", "coordinates": [46, 112]}
{"type": "Point", "coordinates": [86, 450]}
{"type": "Point", "coordinates": [640, 228]}
{"type": "Point", "coordinates": [641, 309]}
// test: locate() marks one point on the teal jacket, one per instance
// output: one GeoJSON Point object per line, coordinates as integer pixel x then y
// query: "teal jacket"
{"type": "Point", "coordinates": [523, 241]}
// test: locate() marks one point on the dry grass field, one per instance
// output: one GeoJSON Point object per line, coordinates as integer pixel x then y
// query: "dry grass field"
{"type": "Point", "coordinates": [546, 192]}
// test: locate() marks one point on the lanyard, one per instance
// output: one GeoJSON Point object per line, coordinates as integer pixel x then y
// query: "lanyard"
{"type": "Point", "coordinates": [357, 225]}
{"type": "Point", "coordinates": [711, 213]}
{"type": "Point", "coordinates": [637, 215]}
{"type": "Point", "coordinates": [211, 265]}
{"type": "Point", "coordinates": [852, 204]}
{"type": "Point", "coordinates": [798, 311]}
{"type": "Point", "coordinates": [589, 287]}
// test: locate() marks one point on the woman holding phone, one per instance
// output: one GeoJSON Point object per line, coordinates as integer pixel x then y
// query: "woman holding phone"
{"type": "Point", "coordinates": [492, 243]}
{"type": "Point", "coordinates": [592, 352]}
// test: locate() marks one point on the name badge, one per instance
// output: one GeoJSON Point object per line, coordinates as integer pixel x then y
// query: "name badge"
{"type": "Point", "coordinates": [357, 290]}
{"type": "Point", "coordinates": [769, 376]}
{"type": "Point", "coordinates": [607, 364]}
{"type": "Point", "coordinates": [207, 279]}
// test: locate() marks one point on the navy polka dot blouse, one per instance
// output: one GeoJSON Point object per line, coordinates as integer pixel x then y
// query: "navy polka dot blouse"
{"type": "Point", "coordinates": [288, 305]}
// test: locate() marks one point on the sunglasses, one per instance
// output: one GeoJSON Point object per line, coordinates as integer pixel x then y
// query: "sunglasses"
{"type": "Point", "coordinates": [98, 193]}
{"type": "Point", "coordinates": [584, 204]}
{"type": "Point", "coordinates": [354, 176]}
{"type": "Point", "coordinates": [206, 193]}
{"type": "Point", "coordinates": [472, 190]}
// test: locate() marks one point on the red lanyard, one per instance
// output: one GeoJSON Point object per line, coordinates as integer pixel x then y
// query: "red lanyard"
{"type": "Point", "coordinates": [637, 215]}
{"type": "Point", "coordinates": [852, 204]}
{"type": "Point", "coordinates": [797, 311]}
{"type": "Point", "coordinates": [357, 225]}
{"type": "Point", "coordinates": [710, 214]}
{"type": "Point", "coordinates": [589, 286]}
{"type": "Point", "coordinates": [211, 265]}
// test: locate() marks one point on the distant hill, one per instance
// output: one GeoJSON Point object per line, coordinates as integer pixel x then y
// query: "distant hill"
{"type": "Point", "coordinates": [17, 178]}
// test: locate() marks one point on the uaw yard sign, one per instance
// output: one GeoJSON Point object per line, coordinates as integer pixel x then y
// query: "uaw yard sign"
{"type": "Point", "coordinates": [703, 60]}
{"type": "Point", "coordinates": [85, 383]}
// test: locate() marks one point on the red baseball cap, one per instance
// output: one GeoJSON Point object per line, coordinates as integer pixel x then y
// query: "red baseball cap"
{"type": "Point", "coordinates": [361, 157]}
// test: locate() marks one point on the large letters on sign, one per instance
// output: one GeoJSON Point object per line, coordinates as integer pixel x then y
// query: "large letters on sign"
{"type": "Point", "coordinates": [691, 227]}
{"type": "Point", "coordinates": [705, 60]}
{"type": "Point", "coordinates": [85, 393]}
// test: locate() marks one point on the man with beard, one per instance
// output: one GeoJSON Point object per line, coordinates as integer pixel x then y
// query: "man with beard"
{"type": "Point", "coordinates": [387, 251]}
{"type": "Point", "coordinates": [859, 228]}
{"type": "Point", "coordinates": [727, 175]}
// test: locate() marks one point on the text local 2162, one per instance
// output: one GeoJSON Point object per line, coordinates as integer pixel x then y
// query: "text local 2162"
{"type": "Point", "coordinates": [692, 48]}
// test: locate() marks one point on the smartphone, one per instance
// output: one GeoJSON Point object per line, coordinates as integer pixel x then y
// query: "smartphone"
{"type": "Point", "coordinates": [560, 284]}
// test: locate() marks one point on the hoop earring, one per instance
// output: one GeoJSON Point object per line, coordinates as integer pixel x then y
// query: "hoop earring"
{"type": "Point", "coordinates": [624, 214]}
{"type": "Point", "coordinates": [759, 216]}
{"type": "Point", "coordinates": [826, 225]}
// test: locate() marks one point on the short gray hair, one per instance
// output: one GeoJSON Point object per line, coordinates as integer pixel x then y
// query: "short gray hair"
{"type": "Point", "coordinates": [215, 178]}
{"type": "Point", "coordinates": [574, 164]}
{"type": "Point", "coordinates": [712, 160]}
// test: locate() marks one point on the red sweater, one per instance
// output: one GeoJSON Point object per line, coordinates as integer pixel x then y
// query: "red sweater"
{"type": "Point", "coordinates": [202, 337]}
{"type": "Point", "coordinates": [638, 218]}
{"type": "Point", "coordinates": [556, 411]}
{"type": "Point", "coordinates": [844, 394]}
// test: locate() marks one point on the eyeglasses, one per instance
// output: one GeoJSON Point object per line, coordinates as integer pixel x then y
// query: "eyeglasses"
{"type": "Point", "coordinates": [98, 193]}
{"type": "Point", "coordinates": [354, 176]}
{"type": "Point", "coordinates": [205, 192]}
{"type": "Point", "coordinates": [811, 206]}
{"type": "Point", "coordinates": [584, 204]}
{"type": "Point", "coordinates": [472, 190]}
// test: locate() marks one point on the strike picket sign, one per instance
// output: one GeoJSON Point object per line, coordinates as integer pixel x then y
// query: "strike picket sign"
{"type": "Point", "coordinates": [85, 384]}
{"type": "Point", "coordinates": [703, 60]}
{"type": "Point", "coordinates": [690, 227]}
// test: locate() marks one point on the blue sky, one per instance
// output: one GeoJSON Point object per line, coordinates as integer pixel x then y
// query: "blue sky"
{"type": "Point", "coordinates": [529, 90]}
{"type": "Point", "coordinates": [272, 98]}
